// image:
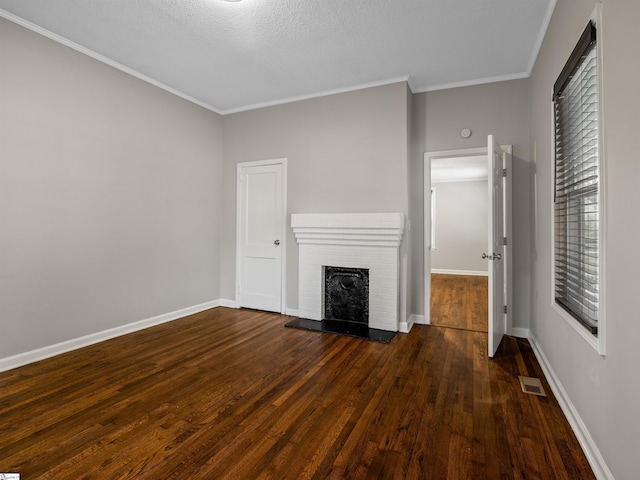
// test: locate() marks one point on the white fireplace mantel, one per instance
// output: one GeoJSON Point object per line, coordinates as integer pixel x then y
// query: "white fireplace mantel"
{"type": "Point", "coordinates": [352, 240]}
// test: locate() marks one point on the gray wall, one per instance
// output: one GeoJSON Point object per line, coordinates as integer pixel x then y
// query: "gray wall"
{"type": "Point", "coordinates": [604, 390]}
{"type": "Point", "coordinates": [109, 196]}
{"type": "Point", "coordinates": [461, 226]}
{"type": "Point", "coordinates": [346, 153]}
{"type": "Point", "coordinates": [500, 109]}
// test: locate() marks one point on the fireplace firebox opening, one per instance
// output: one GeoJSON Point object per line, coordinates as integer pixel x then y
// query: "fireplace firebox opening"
{"type": "Point", "coordinates": [346, 294]}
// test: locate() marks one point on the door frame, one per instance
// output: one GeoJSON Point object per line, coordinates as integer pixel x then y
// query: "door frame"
{"type": "Point", "coordinates": [426, 243]}
{"type": "Point", "coordinates": [283, 234]}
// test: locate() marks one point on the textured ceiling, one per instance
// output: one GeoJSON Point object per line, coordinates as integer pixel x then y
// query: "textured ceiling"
{"type": "Point", "coordinates": [232, 56]}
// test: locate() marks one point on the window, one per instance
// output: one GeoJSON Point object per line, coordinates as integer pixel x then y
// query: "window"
{"type": "Point", "coordinates": [577, 185]}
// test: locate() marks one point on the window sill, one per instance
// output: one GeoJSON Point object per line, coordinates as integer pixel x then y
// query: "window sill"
{"type": "Point", "coordinates": [584, 333]}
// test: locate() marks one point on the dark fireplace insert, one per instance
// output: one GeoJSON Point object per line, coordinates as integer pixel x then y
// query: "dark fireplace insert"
{"type": "Point", "coordinates": [346, 294]}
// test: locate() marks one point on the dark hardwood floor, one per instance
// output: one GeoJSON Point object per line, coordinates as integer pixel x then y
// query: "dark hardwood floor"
{"type": "Point", "coordinates": [232, 394]}
{"type": "Point", "coordinates": [459, 301]}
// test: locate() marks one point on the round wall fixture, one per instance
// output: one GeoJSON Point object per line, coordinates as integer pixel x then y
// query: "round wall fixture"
{"type": "Point", "coordinates": [465, 133]}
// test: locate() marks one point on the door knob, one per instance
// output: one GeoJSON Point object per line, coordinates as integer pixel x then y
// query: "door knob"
{"type": "Point", "coordinates": [276, 242]}
{"type": "Point", "coordinates": [484, 255]}
{"type": "Point", "coordinates": [497, 256]}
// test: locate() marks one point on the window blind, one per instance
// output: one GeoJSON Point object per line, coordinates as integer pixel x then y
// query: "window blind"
{"type": "Point", "coordinates": [576, 206]}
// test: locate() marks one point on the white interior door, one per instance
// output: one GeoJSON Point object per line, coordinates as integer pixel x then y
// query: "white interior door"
{"type": "Point", "coordinates": [428, 226]}
{"type": "Point", "coordinates": [261, 223]}
{"type": "Point", "coordinates": [495, 254]}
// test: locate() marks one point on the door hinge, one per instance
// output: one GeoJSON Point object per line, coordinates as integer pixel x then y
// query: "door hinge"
{"type": "Point", "coordinates": [504, 172]}
{"type": "Point", "coordinates": [505, 309]}
{"type": "Point", "coordinates": [504, 240]}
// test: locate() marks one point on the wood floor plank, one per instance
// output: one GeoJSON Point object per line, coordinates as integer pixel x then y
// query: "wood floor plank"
{"type": "Point", "coordinates": [232, 394]}
{"type": "Point", "coordinates": [460, 301]}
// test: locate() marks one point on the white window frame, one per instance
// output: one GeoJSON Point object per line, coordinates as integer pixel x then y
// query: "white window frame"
{"type": "Point", "coordinates": [598, 341]}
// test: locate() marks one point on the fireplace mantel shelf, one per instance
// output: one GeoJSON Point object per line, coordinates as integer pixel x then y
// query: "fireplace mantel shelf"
{"type": "Point", "coordinates": [366, 229]}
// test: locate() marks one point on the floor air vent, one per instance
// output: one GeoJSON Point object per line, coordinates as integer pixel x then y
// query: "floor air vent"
{"type": "Point", "coordinates": [532, 385]}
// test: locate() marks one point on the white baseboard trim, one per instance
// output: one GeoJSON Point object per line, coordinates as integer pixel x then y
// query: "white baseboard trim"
{"type": "Point", "coordinates": [445, 271]}
{"type": "Point", "coordinates": [225, 302]}
{"type": "Point", "coordinates": [405, 327]}
{"type": "Point", "coordinates": [294, 312]}
{"type": "Point", "coordinates": [520, 332]}
{"type": "Point", "coordinates": [25, 358]}
{"type": "Point", "coordinates": [591, 451]}
{"type": "Point", "coordinates": [419, 319]}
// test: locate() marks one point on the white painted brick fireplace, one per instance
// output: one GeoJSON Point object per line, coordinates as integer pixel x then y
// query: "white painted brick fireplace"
{"type": "Point", "coordinates": [351, 240]}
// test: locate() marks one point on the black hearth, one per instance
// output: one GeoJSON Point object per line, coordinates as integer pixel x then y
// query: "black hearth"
{"type": "Point", "coordinates": [350, 329]}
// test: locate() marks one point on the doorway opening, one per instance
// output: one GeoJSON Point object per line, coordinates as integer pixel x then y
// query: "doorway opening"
{"type": "Point", "coordinates": [459, 230]}
{"type": "Point", "coordinates": [490, 257]}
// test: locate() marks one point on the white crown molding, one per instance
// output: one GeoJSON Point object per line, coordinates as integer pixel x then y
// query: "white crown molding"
{"type": "Point", "coordinates": [388, 81]}
{"type": "Point", "coordinates": [25, 358]}
{"type": "Point", "coordinates": [471, 83]}
{"type": "Point", "coordinates": [325, 93]}
{"type": "Point", "coordinates": [411, 84]}
{"type": "Point", "coordinates": [101, 58]}
{"type": "Point", "coordinates": [591, 450]}
{"type": "Point", "coordinates": [541, 34]}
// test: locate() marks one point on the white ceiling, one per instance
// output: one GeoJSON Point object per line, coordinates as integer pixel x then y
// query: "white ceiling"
{"type": "Point", "coordinates": [233, 56]}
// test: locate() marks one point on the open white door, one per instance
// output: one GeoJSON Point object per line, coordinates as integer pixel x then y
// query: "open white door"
{"type": "Point", "coordinates": [261, 222]}
{"type": "Point", "coordinates": [428, 230]}
{"type": "Point", "coordinates": [495, 254]}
